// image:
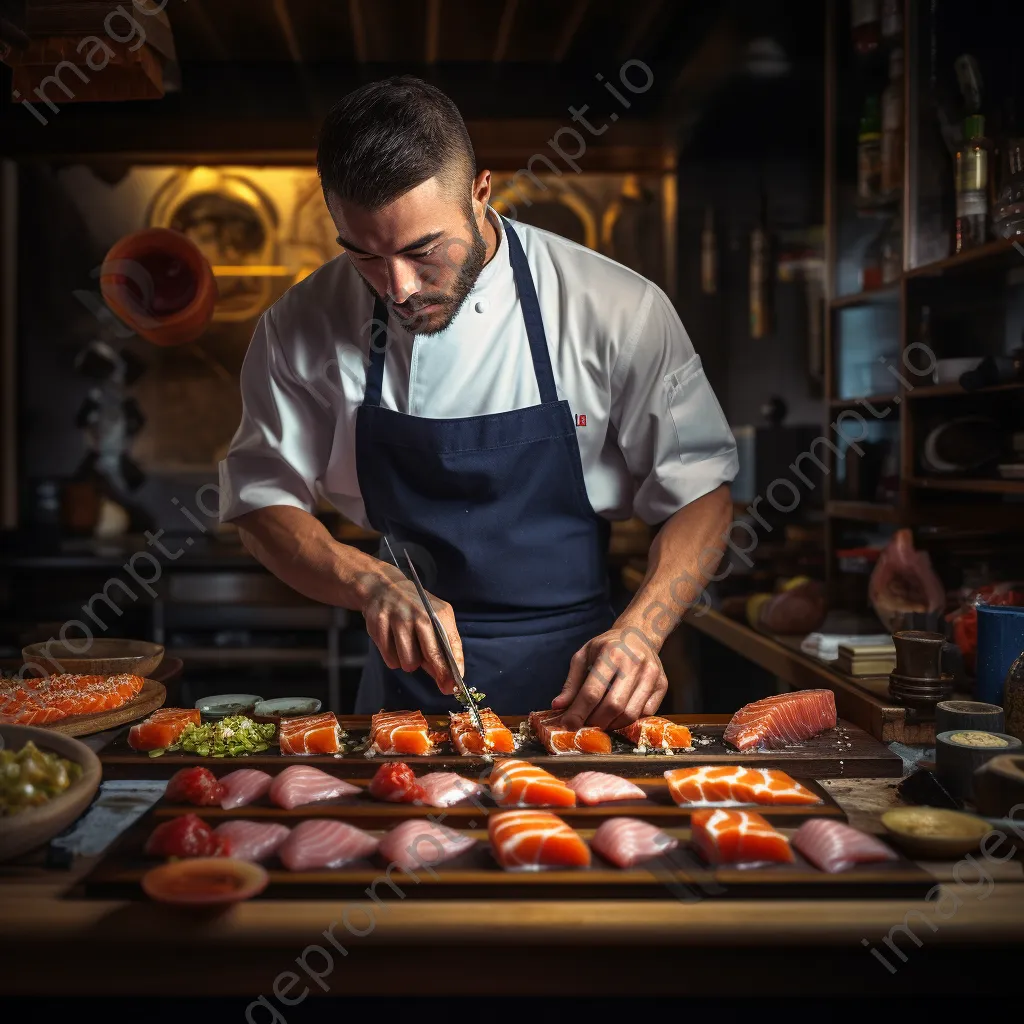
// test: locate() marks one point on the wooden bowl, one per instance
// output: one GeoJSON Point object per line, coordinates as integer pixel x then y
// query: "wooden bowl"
{"type": "Point", "coordinates": [22, 832]}
{"type": "Point", "coordinates": [104, 657]}
{"type": "Point", "coordinates": [935, 833]}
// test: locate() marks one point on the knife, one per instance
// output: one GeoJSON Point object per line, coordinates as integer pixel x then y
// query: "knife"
{"type": "Point", "coordinates": [461, 690]}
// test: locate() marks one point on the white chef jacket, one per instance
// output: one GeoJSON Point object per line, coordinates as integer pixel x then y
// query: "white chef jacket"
{"type": "Point", "coordinates": [651, 433]}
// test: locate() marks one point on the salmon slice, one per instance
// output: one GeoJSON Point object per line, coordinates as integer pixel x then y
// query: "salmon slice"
{"type": "Point", "coordinates": [310, 734]}
{"type": "Point", "coordinates": [729, 784]}
{"type": "Point", "coordinates": [654, 733]}
{"type": "Point", "coordinates": [738, 837]}
{"type": "Point", "coordinates": [516, 783]}
{"type": "Point", "coordinates": [782, 719]}
{"type": "Point", "coordinates": [497, 738]}
{"type": "Point", "coordinates": [399, 732]}
{"type": "Point", "coordinates": [547, 727]}
{"type": "Point", "coordinates": [530, 840]}
{"type": "Point", "coordinates": [38, 701]}
{"type": "Point", "coordinates": [162, 728]}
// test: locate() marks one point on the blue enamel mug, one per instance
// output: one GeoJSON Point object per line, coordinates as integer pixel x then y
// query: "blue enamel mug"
{"type": "Point", "coordinates": [1000, 642]}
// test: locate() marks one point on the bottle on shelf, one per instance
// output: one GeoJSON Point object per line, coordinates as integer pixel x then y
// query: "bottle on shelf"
{"type": "Point", "coordinates": [1008, 213]}
{"type": "Point", "coordinates": [892, 250]}
{"type": "Point", "coordinates": [972, 168]}
{"type": "Point", "coordinates": [869, 153]}
{"type": "Point", "coordinates": [892, 22]}
{"type": "Point", "coordinates": [871, 263]}
{"type": "Point", "coordinates": [866, 25]}
{"type": "Point", "coordinates": [891, 171]}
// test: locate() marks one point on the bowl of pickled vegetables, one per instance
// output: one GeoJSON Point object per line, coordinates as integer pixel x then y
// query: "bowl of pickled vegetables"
{"type": "Point", "coordinates": [47, 780]}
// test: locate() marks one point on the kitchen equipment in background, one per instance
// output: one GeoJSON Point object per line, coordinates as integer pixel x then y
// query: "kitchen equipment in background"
{"type": "Point", "coordinates": [964, 620]}
{"type": "Point", "coordinates": [967, 444]}
{"type": "Point", "coordinates": [951, 715]}
{"type": "Point", "coordinates": [960, 752]}
{"type": "Point", "coordinates": [869, 153]}
{"type": "Point", "coordinates": [993, 370]}
{"type": "Point", "coordinates": [918, 681]}
{"type": "Point", "coordinates": [1008, 212]}
{"type": "Point", "coordinates": [949, 371]}
{"type": "Point", "coordinates": [101, 656]}
{"type": "Point", "coordinates": [1000, 643]}
{"type": "Point", "coordinates": [971, 178]}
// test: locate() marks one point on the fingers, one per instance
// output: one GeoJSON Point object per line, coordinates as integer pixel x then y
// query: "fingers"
{"type": "Point", "coordinates": [434, 662]}
{"type": "Point", "coordinates": [642, 686]}
{"type": "Point", "coordinates": [578, 668]}
{"type": "Point", "coordinates": [446, 614]}
{"type": "Point", "coordinates": [599, 679]}
{"type": "Point", "coordinates": [654, 701]}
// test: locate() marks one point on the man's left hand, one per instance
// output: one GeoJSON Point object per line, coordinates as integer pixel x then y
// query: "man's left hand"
{"type": "Point", "coordinates": [613, 680]}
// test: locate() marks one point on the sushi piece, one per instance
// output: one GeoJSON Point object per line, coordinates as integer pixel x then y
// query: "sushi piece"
{"type": "Point", "coordinates": [834, 846]}
{"type": "Point", "coordinates": [529, 840]}
{"type": "Point", "coordinates": [399, 732]}
{"type": "Point", "coordinates": [516, 783]}
{"type": "Point", "coordinates": [301, 784]}
{"type": "Point", "coordinates": [497, 738]}
{"type": "Point", "coordinates": [186, 836]}
{"type": "Point", "coordinates": [162, 729]}
{"type": "Point", "coordinates": [197, 786]}
{"type": "Point", "coordinates": [729, 784]}
{"type": "Point", "coordinates": [654, 733]}
{"type": "Point", "coordinates": [396, 783]}
{"type": "Point", "coordinates": [252, 840]}
{"type": "Point", "coordinates": [547, 727]}
{"type": "Point", "coordinates": [599, 787]}
{"type": "Point", "coordinates": [244, 786]}
{"type": "Point", "coordinates": [445, 789]}
{"type": "Point", "coordinates": [310, 734]}
{"type": "Point", "coordinates": [324, 843]}
{"type": "Point", "coordinates": [738, 837]}
{"type": "Point", "coordinates": [627, 842]}
{"type": "Point", "coordinates": [418, 844]}
{"type": "Point", "coordinates": [782, 719]}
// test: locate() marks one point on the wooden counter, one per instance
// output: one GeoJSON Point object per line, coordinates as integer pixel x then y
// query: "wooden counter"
{"type": "Point", "coordinates": [58, 946]}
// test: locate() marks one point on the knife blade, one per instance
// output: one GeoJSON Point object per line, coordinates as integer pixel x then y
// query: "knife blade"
{"type": "Point", "coordinates": [461, 690]}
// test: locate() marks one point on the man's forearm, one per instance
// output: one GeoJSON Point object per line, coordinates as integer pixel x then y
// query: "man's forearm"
{"type": "Point", "coordinates": [682, 558]}
{"type": "Point", "coordinates": [299, 550]}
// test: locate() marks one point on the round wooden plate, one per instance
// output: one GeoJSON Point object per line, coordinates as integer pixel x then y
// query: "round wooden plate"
{"type": "Point", "coordinates": [150, 697]}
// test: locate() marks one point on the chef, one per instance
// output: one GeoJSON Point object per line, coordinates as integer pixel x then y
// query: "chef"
{"type": "Point", "coordinates": [489, 396]}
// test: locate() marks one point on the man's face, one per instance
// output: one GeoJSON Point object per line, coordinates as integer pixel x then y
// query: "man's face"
{"type": "Point", "coordinates": [421, 255]}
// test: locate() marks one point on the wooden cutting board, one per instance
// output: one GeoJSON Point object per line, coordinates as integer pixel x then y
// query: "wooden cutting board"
{"type": "Point", "coordinates": [844, 752]}
{"type": "Point", "coordinates": [149, 698]}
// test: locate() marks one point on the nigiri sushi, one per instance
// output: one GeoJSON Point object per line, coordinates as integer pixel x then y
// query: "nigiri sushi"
{"type": "Point", "coordinates": [834, 846]}
{"type": "Point", "coordinates": [399, 732]}
{"type": "Point", "coordinates": [324, 843]}
{"type": "Point", "coordinates": [186, 836]}
{"type": "Point", "coordinates": [547, 727]}
{"type": "Point", "coordinates": [729, 784]}
{"type": "Point", "coordinates": [196, 785]}
{"type": "Point", "coordinates": [163, 728]}
{"type": "Point", "coordinates": [737, 837]}
{"type": "Point", "coordinates": [516, 783]}
{"type": "Point", "coordinates": [252, 840]}
{"type": "Point", "coordinates": [627, 842]}
{"type": "Point", "coordinates": [497, 738]}
{"type": "Point", "coordinates": [599, 787]}
{"type": "Point", "coordinates": [419, 843]}
{"type": "Point", "coordinates": [396, 783]}
{"type": "Point", "coordinates": [655, 733]}
{"type": "Point", "coordinates": [310, 734]}
{"type": "Point", "coordinates": [302, 784]}
{"type": "Point", "coordinates": [243, 787]}
{"type": "Point", "coordinates": [531, 839]}
{"type": "Point", "coordinates": [781, 719]}
{"type": "Point", "coordinates": [445, 789]}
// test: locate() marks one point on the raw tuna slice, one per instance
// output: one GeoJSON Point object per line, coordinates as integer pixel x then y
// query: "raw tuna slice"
{"type": "Point", "coordinates": [396, 782]}
{"type": "Point", "coordinates": [627, 842]}
{"type": "Point", "coordinates": [324, 843]}
{"type": "Point", "coordinates": [302, 784]}
{"type": "Point", "coordinates": [547, 727]}
{"type": "Point", "coordinates": [445, 789]}
{"type": "Point", "coordinates": [497, 738]}
{"type": "Point", "coordinates": [654, 733]}
{"type": "Point", "coordinates": [420, 845]}
{"type": "Point", "coordinates": [529, 840]}
{"type": "Point", "coordinates": [252, 840]}
{"type": "Point", "coordinates": [834, 846]}
{"type": "Point", "coordinates": [599, 787]}
{"type": "Point", "coordinates": [196, 785]}
{"type": "Point", "coordinates": [728, 784]}
{"type": "Point", "coordinates": [782, 719]}
{"type": "Point", "coordinates": [738, 837]}
{"type": "Point", "coordinates": [186, 836]}
{"type": "Point", "coordinates": [243, 787]}
{"type": "Point", "coordinates": [516, 783]}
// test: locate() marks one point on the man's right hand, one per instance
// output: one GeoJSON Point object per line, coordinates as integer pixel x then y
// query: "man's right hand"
{"type": "Point", "coordinates": [400, 627]}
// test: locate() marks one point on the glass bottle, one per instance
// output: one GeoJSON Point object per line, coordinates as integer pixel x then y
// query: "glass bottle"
{"type": "Point", "coordinates": [892, 251]}
{"type": "Point", "coordinates": [869, 153]}
{"type": "Point", "coordinates": [972, 185]}
{"type": "Point", "coordinates": [865, 25]}
{"type": "Point", "coordinates": [1008, 214]}
{"type": "Point", "coordinates": [892, 128]}
{"type": "Point", "coordinates": [892, 22]}
{"type": "Point", "coordinates": [871, 264]}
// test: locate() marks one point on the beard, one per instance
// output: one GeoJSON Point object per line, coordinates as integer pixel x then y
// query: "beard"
{"type": "Point", "coordinates": [410, 315]}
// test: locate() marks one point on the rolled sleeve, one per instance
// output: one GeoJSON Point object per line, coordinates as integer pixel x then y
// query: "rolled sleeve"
{"type": "Point", "coordinates": [672, 431]}
{"type": "Point", "coordinates": [281, 447]}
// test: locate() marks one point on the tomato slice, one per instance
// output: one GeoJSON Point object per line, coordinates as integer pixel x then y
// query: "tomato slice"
{"type": "Point", "coordinates": [207, 880]}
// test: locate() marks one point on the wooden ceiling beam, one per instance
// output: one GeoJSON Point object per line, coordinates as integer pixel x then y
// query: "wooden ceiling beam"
{"type": "Point", "coordinates": [508, 16]}
{"type": "Point", "coordinates": [355, 16]}
{"type": "Point", "coordinates": [433, 34]}
{"type": "Point", "coordinates": [569, 30]}
{"type": "Point", "coordinates": [284, 20]}
{"type": "Point", "coordinates": [633, 44]}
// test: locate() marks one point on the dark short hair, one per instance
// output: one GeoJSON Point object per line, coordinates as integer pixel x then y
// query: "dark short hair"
{"type": "Point", "coordinates": [387, 137]}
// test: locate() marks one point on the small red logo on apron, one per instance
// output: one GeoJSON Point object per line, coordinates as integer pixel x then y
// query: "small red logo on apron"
{"type": "Point", "coordinates": [581, 419]}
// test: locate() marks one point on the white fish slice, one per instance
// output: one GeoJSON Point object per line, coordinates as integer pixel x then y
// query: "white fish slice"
{"type": "Point", "coordinates": [419, 845]}
{"type": "Point", "coordinates": [253, 840]}
{"type": "Point", "coordinates": [627, 842]}
{"type": "Point", "coordinates": [302, 784]}
{"type": "Point", "coordinates": [444, 789]}
{"type": "Point", "coordinates": [598, 787]}
{"type": "Point", "coordinates": [243, 787]}
{"type": "Point", "coordinates": [324, 843]}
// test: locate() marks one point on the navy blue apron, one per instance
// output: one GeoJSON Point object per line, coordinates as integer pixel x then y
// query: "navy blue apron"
{"type": "Point", "coordinates": [496, 517]}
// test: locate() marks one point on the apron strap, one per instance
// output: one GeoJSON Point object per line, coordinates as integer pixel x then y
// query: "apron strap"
{"type": "Point", "coordinates": [378, 352]}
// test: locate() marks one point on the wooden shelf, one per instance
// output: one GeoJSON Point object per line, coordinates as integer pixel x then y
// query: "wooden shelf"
{"type": "Point", "coordinates": [884, 293]}
{"type": "Point", "coordinates": [852, 403]}
{"type": "Point", "coordinates": [948, 390]}
{"type": "Point", "coordinates": [969, 486]}
{"type": "Point", "coordinates": [863, 511]}
{"type": "Point", "coordinates": [985, 257]}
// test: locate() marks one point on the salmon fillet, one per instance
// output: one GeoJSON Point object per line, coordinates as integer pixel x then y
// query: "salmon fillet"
{"type": "Point", "coordinates": [718, 784]}
{"type": "Point", "coordinates": [547, 727]}
{"type": "Point", "coordinates": [399, 732]}
{"type": "Point", "coordinates": [737, 837]}
{"type": "Point", "coordinates": [530, 840]}
{"type": "Point", "coordinates": [782, 719]}
{"type": "Point", "coordinates": [516, 783]}
{"type": "Point", "coordinates": [162, 728]}
{"type": "Point", "coordinates": [657, 734]}
{"type": "Point", "coordinates": [497, 738]}
{"type": "Point", "coordinates": [310, 734]}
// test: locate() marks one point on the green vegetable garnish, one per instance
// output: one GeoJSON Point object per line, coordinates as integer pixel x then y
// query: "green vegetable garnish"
{"type": "Point", "coordinates": [233, 736]}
